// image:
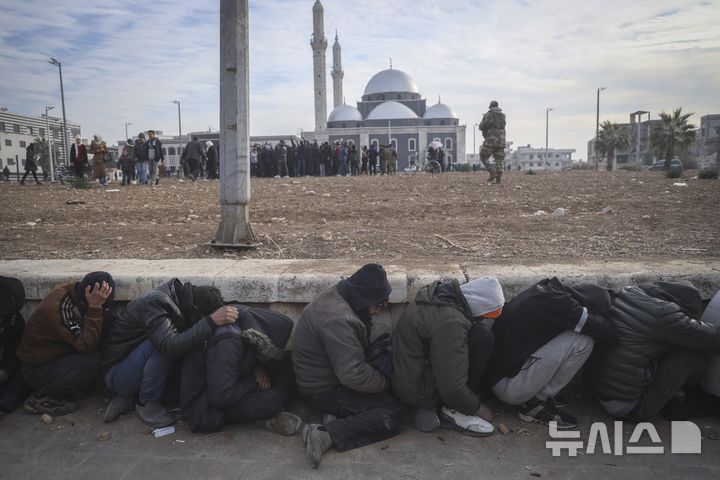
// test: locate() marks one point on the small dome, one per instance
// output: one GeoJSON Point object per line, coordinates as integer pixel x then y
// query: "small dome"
{"type": "Point", "coordinates": [440, 110]}
{"type": "Point", "coordinates": [391, 81]}
{"type": "Point", "coordinates": [390, 111]}
{"type": "Point", "coordinates": [345, 113]}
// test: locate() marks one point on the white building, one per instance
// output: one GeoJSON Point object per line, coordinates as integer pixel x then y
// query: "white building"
{"type": "Point", "coordinates": [17, 131]}
{"type": "Point", "coordinates": [527, 158]}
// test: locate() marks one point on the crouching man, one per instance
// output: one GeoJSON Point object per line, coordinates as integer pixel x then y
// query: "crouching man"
{"type": "Point", "coordinates": [59, 346]}
{"type": "Point", "coordinates": [441, 350]}
{"type": "Point", "coordinates": [543, 337]}
{"type": "Point", "coordinates": [144, 341]}
{"type": "Point", "coordinates": [660, 354]}
{"type": "Point", "coordinates": [329, 359]}
{"type": "Point", "coordinates": [242, 374]}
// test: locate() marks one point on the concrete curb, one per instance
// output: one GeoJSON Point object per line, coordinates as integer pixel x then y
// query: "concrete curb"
{"type": "Point", "coordinates": [300, 281]}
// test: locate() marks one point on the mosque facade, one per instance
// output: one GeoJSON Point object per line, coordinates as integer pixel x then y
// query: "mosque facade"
{"type": "Point", "coordinates": [391, 111]}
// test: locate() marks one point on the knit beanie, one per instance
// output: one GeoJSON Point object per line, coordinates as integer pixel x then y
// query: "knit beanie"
{"type": "Point", "coordinates": [483, 295]}
{"type": "Point", "coordinates": [90, 280]}
{"type": "Point", "coordinates": [367, 287]}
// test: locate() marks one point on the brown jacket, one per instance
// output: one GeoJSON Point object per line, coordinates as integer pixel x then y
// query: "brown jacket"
{"type": "Point", "coordinates": [57, 327]}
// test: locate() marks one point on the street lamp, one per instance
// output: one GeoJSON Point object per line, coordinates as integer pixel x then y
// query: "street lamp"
{"type": "Point", "coordinates": [55, 61]}
{"type": "Point", "coordinates": [475, 125]}
{"type": "Point", "coordinates": [638, 119]}
{"type": "Point", "coordinates": [126, 133]}
{"type": "Point", "coordinates": [597, 125]}
{"type": "Point", "coordinates": [179, 122]}
{"type": "Point", "coordinates": [49, 143]}
{"type": "Point", "coordinates": [547, 118]}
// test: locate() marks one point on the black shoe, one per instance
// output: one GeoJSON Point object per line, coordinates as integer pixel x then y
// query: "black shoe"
{"type": "Point", "coordinates": [51, 406]}
{"type": "Point", "coordinates": [537, 411]}
{"type": "Point", "coordinates": [157, 180]}
{"type": "Point", "coordinates": [154, 415]}
{"type": "Point", "coordinates": [118, 405]}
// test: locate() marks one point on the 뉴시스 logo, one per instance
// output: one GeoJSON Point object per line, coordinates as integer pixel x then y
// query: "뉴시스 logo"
{"type": "Point", "coordinates": [684, 438]}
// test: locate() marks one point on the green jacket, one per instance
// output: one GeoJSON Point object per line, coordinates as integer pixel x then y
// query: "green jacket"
{"type": "Point", "coordinates": [430, 357]}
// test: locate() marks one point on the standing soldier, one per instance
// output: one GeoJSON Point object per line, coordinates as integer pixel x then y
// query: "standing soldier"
{"type": "Point", "coordinates": [493, 129]}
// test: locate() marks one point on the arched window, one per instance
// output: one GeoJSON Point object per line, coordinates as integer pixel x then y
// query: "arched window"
{"type": "Point", "coordinates": [411, 144]}
{"type": "Point", "coordinates": [448, 144]}
{"type": "Point", "coordinates": [393, 142]}
{"type": "Point", "coordinates": [171, 151]}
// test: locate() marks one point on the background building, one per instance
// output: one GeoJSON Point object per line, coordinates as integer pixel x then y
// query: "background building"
{"type": "Point", "coordinates": [18, 130]}
{"type": "Point", "coordinates": [529, 158]}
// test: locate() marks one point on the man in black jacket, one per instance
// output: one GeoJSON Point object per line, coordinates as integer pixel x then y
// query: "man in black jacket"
{"type": "Point", "coordinates": [193, 154]}
{"type": "Point", "coordinates": [155, 156]}
{"type": "Point", "coordinates": [242, 374]}
{"type": "Point", "coordinates": [156, 329]}
{"type": "Point", "coordinates": [543, 337]}
{"type": "Point", "coordinates": [660, 355]}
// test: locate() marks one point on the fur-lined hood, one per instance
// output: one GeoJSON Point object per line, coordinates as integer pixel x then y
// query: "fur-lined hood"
{"type": "Point", "coordinates": [267, 331]}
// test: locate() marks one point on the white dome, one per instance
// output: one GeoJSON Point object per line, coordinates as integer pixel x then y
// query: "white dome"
{"type": "Point", "coordinates": [391, 111]}
{"type": "Point", "coordinates": [391, 81]}
{"type": "Point", "coordinates": [345, 113]}
{"type": "Point", "coordinates": [440, 110]}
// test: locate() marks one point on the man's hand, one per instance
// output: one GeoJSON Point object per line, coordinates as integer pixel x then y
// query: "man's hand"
{"type": "Point", "coordinates": [98, 294]}
{"type": "Point", "coordinates": [485, 413]}
{"type": "Point", "coordinates": [224, 315]}
{"type": "Point", "coordinates": [261, 378]}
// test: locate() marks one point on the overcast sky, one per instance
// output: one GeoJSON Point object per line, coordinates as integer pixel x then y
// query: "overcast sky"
{"type": "Point", "coordinates": [124, 61]}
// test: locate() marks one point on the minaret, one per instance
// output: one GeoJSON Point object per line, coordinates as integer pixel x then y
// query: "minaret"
{"type": "Point", "coordinates": [318, 42]}
{"type": "Point", "coordinates": [337, 74]}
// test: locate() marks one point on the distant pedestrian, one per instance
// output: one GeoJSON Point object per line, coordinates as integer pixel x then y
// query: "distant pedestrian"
{"type": "Point", "coordinates": [194, 154]}
{"type": "Point", "coordinates": [140, 157]}
{"type": "Point", "coordinates": [212, 160]}
{"type": "Point", "coordinates": [372, 159]}
{"type": "Point", "coordinates": [492, 126]}
{"type": "Point", "coordinates": [364, 160]}
{"type": "Point", "coordinates": [125, 162]}
{"type": "Point", "coordinates": [30, 164]}
{"type": "Point", "coordinates": [281, 169]}
{"type": "Point", "coordinates": [79, 157]}
{"type": "Point", "coordinates": [155, 156]}
{"type": "Point", "coordinates": [98, 148]}
{"type": "Point", "coordinates": [6, 174]}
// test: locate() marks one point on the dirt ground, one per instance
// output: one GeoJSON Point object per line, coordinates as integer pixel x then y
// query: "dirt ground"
{"type": "Point", "coordinates": [411, 218]}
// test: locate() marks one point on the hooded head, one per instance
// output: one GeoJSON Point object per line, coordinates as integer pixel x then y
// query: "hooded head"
{"type": "Point", "coordinates": [484, 295]}
{"type": "Point", "coordinates": [141, 135]}
{"type": "Point", "coordinates": [494, 104]}
{"type": "Point", "coordinates": [90, 280]}
{"type": "Point", "coordinates": [208, 144]}
{"type": "Point", "coordinates": [682, 293]}
{"type": "Point", "coordinates": [365, 288]}
{"type": "Point", "coordinates": [197, 302]}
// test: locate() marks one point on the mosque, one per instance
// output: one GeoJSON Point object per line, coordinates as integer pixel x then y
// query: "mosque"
{"type": "Point", "coordinates": [392, 110]}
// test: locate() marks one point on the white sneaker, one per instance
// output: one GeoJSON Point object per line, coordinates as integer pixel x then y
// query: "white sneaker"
{"type": "Point", "coordinates": [465, 424]}
{"type": "Point", "coordinates": [276, 176]}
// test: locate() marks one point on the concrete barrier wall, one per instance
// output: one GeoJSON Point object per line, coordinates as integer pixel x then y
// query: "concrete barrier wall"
{"type": "Point", "coordinates": [288, 285]}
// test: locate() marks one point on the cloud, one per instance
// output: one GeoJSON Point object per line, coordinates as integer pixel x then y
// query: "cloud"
{"type": "Point", "coordinates": [124, 61]}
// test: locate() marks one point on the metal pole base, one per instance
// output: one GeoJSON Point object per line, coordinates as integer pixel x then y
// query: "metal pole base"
{"type": "Point", "coordinates": [234, 230]}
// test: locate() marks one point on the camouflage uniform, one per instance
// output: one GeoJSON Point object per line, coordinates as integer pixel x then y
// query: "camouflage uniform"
{"type": "Point", "coordinates": [493, 129]}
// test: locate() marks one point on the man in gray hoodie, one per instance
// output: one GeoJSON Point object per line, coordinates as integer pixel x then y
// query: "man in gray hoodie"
{"type": "Point", "coordinates": [331, 370]}
{"type": "Point", "coordinates": [441, 348]}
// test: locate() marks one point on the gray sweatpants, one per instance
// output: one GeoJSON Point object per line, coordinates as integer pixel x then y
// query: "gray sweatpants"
{"type": "Point", "coordinates": [547, 370]}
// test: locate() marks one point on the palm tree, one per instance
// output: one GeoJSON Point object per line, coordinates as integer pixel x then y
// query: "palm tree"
{"type": "Point", "coordinates": [610, 138]}
{"type": "Point", "coordinates": [673, 133]}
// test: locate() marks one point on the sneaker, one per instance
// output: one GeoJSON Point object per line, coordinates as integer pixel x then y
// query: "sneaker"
{"type": "Point", "coordinates": [284, 423]}
{"type": "Point", "coordinates": [425, 420]}
{"type": "Point", "coordinates": [157, 181]}
{"type": "Point", "coordinates": [118, 405]}
{"type": "Point", "coordinates": [317, 443]}
{"type": "Point", "coordinates": [50, 405]}
{"type": "Point", "coordinates": [276, 176]}
{"type": "Point", "coordinates": [469, 425]}
{"type": "Point", "coordinates": [537, 411]}
{"type": "Point", "coordinates": [154, 415]}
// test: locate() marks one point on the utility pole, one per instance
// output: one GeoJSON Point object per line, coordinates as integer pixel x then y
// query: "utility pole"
{"type": "Point", "coordinates": [54, 61]}
{"type": "Point", "coordinates": [179, 122]}
{"type": "Point", "coordinates": [597, 127]}
{"type": "Point", "coordinates": [234, 230]}
{"type": "Point", "coordinates": [49, 144]}
{"type": "Point", "coordinates": [475, 125]}
{"type": "Point", "coordinates": [126, 132]}
{"type": "Point", "coordinates": [547, 118]}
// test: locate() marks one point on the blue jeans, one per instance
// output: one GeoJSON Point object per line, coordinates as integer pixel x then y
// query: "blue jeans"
{"type": "Point", "coordinates": [143, 373]}
{"type": "Point", "coordinates": [142, 168]}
